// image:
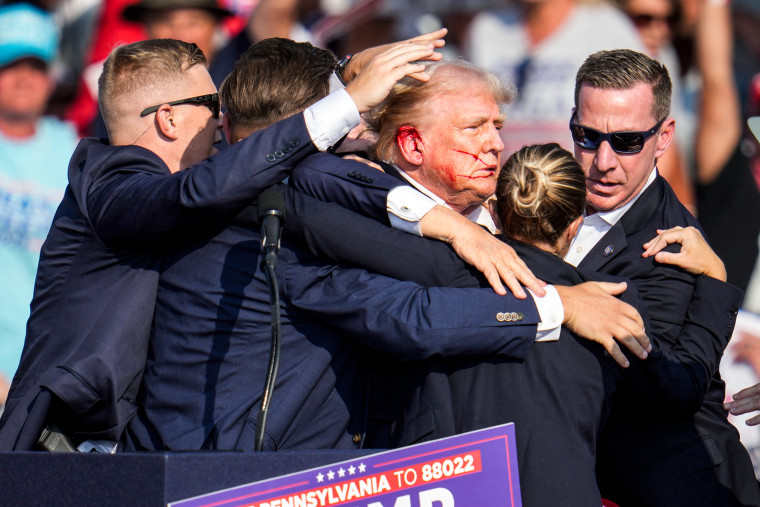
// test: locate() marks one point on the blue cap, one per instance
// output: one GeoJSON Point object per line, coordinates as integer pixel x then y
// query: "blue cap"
{"type": "Point", "coordinates": [26, 31]}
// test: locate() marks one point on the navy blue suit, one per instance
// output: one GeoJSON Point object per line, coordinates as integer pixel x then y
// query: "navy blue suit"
{"type": "Point", "coordinates": [207, 362]}
{"type": "Point", "coordinates": [690, 361]}
{"type": "Point", "coordinates": [98, 274]}
{"type": "Point", "coordinates": [644, 458]}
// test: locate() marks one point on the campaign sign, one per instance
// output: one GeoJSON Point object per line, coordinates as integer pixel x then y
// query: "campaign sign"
{"type": "Point", "coordinates": [477, 468]}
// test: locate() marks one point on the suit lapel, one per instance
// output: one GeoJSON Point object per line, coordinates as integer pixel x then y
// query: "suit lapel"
{"type": "Point", "coordinates": [615, 241]}
{"type": "Point", "coordinates": [606, 249]}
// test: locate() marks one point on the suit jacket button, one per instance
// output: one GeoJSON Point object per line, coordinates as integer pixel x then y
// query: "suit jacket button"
{"type": "Point", "coordinates": [500, 317]}
{"type": "Point", "coordinates": [734, 310]}
{"type": "Point", "coordinates": [520, 315]}
{"type": "Point", "coordinates": [286, 148]}
{"type": "Point", "coordinates": [293, 143]}
{"type": "Point", "coordinates": [271, 157]}
{"type": "Point", "coordinates": [279, 154]}
{"type": "Point", "coordinates": [356, 439]}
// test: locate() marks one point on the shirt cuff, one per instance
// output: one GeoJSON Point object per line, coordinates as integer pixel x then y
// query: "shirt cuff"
{"type": "Point", "coordinates": [331, 118]}
{"type": "Point", "coordinates": [406, 206]}
{"type": "Point", "coordinates": [551, 312]}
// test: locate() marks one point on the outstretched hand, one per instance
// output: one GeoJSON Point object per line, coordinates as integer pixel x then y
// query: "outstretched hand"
{"type": "Point", "coordinates": [593, 312]}
{"type": "Point", "coordinates": [746, 401]}
{"type": "Point", "coordinates": [695, 256]}
{"type": "Point", "coordinates": [384, 69]}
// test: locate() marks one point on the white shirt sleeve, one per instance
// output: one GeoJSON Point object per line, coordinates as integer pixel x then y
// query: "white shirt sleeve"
{"type": "Point", "coordinates": [331, 118]}
{"type": "Point", "coordinates": [406, 207]}
{"type": "Point", "coordinates": [552, 314]}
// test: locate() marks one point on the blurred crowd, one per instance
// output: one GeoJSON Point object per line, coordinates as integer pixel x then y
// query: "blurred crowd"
{"type": "Point", "coordinates": [51, 53]}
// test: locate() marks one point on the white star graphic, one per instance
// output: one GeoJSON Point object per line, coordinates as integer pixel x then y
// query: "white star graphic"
{"type": "Point", "coordinates": [362, 467]}
{"type": "Point", "coordinates": [331, 475]}
{"type": "Point", "coordinates": [341, 472]}
{"type": "Point", "coordinates": [320, 477]}
{"type": "Point", "coordinates": [351, 470]}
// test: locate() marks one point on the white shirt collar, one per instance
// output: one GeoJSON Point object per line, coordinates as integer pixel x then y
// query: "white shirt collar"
{"type": "Point", "coordinates": [480, 215]}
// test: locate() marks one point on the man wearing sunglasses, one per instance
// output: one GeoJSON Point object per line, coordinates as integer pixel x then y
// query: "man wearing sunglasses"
{"type": "Point", "coordinates": [149, 188]}
{"type": "Point", "coordinates": [621, 127]}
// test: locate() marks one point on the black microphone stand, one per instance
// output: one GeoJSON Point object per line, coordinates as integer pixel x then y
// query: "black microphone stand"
{"type": "Point", "coordinates": [269, 264]}
{"type": "Point", "coordinates": [274, 353]}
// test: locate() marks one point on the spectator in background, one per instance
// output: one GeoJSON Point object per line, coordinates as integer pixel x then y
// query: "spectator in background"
{"type": "Point", "coordinates": [539, 45]}
{"type": "Point", "coordinates": [655, 21]}
{"type": "Point", "coordinates": [728, 203]}
{"type": "Point", "coordinates": [200, 22]}
{"type": "Point", "coordinates": [35, 153]}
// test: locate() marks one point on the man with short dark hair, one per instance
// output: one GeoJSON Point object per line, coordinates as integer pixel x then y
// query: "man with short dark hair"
{"type": "Point", "coordinates": [621, 127]}
{"type": "Point", "coordinates": [449, 155]}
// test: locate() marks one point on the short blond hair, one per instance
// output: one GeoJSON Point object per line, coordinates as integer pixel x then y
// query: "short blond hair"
{"type": "Point", "coordinates": [143, 66]}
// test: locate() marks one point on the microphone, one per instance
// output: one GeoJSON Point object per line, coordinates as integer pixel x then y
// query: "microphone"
{"type": "Point", "coordinates": [271, 216]}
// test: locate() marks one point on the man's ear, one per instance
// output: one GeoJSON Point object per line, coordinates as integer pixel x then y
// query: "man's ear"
{"type": "Point", "coordinates": [572, 229]}
{"type": "Point", "coordinates": [665, 137]}
{"type": "Point", "coordinates": [410, 145]}
{"type": "Point", "coordinates": [166, 122]}
{"type": "Point", "coordinates": [227, 129]}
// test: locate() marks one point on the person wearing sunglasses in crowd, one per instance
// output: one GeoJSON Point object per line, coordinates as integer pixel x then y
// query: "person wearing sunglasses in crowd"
{"type": "Point", "coordinates": [621, 126]}
{"type": "Point", "coordinates": [150, 187]}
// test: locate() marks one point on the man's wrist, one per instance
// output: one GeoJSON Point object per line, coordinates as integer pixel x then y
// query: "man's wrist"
{"type": "Point", "coordinates": [340, 69]}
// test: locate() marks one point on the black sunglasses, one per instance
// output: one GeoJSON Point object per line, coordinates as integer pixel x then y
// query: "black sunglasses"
{"type": "Point", "coordinates": [621, 142]}
{"type": "Point", "coordinates": [642, 20]}
{"type": "Point", "coordinates": [211, 101]}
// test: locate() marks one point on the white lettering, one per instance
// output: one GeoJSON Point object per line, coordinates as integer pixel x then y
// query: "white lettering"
{"type": "Point", "coordinates": [440, 496]}
{"type": "Point", "coordinates": [384, 484]}
{"type": "Point", "coordinates": [407, 473]}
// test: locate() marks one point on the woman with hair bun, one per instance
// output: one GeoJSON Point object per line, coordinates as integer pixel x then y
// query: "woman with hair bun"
{"type": "Point", "coordinates": [559, 397]}
{"type": "Point", "coordinates": [541, 193]}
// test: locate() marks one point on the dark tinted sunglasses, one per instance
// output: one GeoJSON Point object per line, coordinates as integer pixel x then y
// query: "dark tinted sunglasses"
{"type": "Point", "coordinates": [622, 142]}
{"type": "Point", "coordinates": [211, 101]}
{"type": "Point", "coordinates": [642, 20]}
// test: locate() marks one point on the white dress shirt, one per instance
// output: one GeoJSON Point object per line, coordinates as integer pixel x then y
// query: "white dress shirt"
{"type": "Point", "coordinates": [595, 226]}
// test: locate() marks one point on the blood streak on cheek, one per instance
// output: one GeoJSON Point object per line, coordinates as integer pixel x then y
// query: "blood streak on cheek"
{"type": "Point", "coordinates": [469, 177]}
{"type": "Point", "coordinates": [472, 155]}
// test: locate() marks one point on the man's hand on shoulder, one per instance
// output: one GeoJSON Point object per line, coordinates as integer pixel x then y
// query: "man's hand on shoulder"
{"type": "Point", "coordinates": [695, 256]}
{"type": "Point", "coordinates": [593, 312]}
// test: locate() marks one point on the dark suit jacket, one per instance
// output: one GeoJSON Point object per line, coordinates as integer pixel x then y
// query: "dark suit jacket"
{"type": "Point", "coordinates": [688, 364]}
{"type": "Point", "coordinates": [645, 458]}
{"type": "Point", "coordinates": [209, 349]}
{"type": "Point", "coordinates": [97, 279]}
